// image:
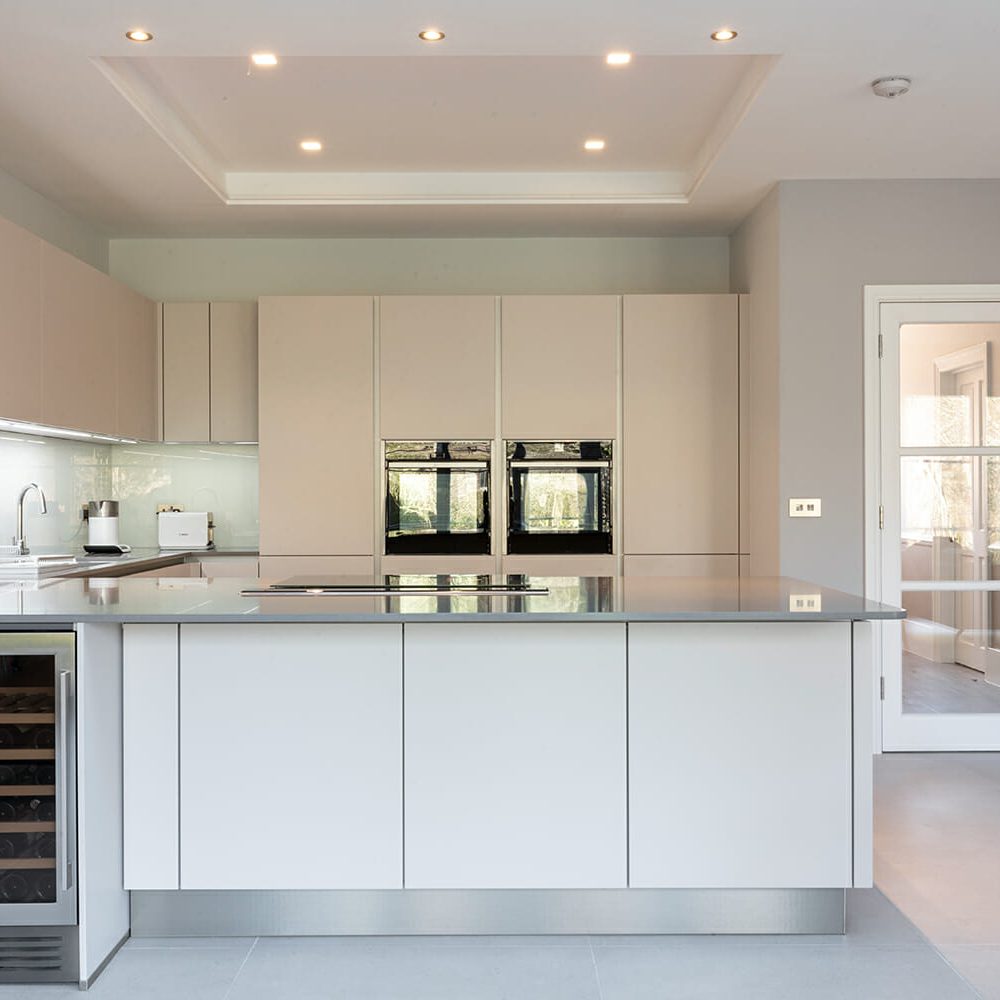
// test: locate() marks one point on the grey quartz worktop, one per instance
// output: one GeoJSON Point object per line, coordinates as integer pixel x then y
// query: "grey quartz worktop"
{"type": "Point", "coordinates": [136, 561]}
{"type": "Point", "coordinates": [623, 599]}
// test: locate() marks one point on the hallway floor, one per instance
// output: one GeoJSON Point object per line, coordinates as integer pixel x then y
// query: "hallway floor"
{"type": "Point", "coordinates": [938, 824]}
{"type": "Point", "coordinates": [937, 831]}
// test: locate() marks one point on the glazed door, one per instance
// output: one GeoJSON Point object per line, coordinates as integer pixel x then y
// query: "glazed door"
{"type": "Point", "coordinates": [940, 544]}
{"type": "Point", "coordinates": [37, 779]}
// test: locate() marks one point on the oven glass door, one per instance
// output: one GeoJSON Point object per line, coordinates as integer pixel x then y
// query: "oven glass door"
{"type": "Point", "coordinates": [437, 508]}
{"type": "Point", "coordinates": [559, 508]}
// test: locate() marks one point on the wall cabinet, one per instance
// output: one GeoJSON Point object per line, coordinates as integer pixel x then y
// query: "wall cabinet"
{"type": "Point", "coordinates": [437, 367]}
{"type": "Point", "coordinates": [209, 371]}
{"type": "Point", "coordinates": [233, 365]}
{"type": "Point", "coordinates": [20, 323]}
{"type": "Point", "coordinates": [317, 443]}
{"type": "Point", "coordinates": [290, 765]}
{"type": "Point", "coordinates": [559, 367]}
{"type": "Point", "coordinates": [680, 391]}
{"type": "Point", "coordinates": [138, 371]}
{"type": "Point", "coordinates": [515, 756]}
{"type": "Point", "coordinates": [740, 768]}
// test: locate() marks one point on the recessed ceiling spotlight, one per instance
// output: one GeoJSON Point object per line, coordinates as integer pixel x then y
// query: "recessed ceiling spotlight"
{"type": "Point", "coordinates": [594, 145]}
{"type": "Point", "coordinates": [264, 59]}
{"type": "Point", "coordinates": [310, 145]}
{"type": "Point", "coordinates": [724, 35]}
{"type": "Point", "coordinates": [139, 35]}
{"type": "Point", "coordinates": [618, 58]}
{"type": "Point", "coordinates": [431, 35]}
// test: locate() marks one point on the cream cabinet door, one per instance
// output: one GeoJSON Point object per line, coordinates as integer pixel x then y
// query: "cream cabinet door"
{"type": "Point", "coordinates": [317, 484]}
{"type": "Point", "coordinates": [79, 345]}
{"type": "Point", "coordinates": [515, 756]}
{"type": "Point", "coordinates": [559, 364]}
{"type": "Point", "coordinates": [20, 323]}
{"type": "Point", "coordinates": [437, 365]}
{"type": "Point", "coordinates": [740, 755]}
{"type": "Point", "coordinates": [233, 366]}
{"type": "Point", "coordinates": [138, 369]}
{"type": "Point", "coordinates": [680, 487]}
{"type": "Point", "coordinates": [186, 363]}
{"type": "Point", "coordinates": [291, 756]}
{"type": "Point", "coordinates": [274, 568]}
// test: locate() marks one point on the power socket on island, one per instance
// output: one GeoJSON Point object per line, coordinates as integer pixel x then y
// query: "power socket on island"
{"type": "Point", "coordinates": [810, 507]}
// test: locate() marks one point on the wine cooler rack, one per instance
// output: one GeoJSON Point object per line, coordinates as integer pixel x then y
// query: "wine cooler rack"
{"type": "Point", "coordinates": [28, 780]}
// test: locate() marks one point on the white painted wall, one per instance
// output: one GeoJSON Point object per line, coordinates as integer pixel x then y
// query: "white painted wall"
{"type": "Point", "coordinates": [32, 211]}
{"type": "Point", "coordinates": [234, 269]}
{"type": "Point", "coordinates": [835, 237]}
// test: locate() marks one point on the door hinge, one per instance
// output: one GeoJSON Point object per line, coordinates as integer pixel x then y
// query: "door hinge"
{"type": "Point", "coordinates": [881, 516]}
{"type": "Point", "coordinates": [880, 345]}
{"type": "Point", "coordinates": [881, 688]}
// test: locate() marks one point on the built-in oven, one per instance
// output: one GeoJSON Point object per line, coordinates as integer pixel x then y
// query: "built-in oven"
{"type": "Point", "coordinates": [437, 499]}
{"type": "Point", "coordinates": [559, 497]}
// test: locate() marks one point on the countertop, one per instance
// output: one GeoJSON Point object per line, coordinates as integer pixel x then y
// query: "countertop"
{"type": "Point", "coordinates": [623, 599]}
{"type": "Point", "coordinates": [135, 561]}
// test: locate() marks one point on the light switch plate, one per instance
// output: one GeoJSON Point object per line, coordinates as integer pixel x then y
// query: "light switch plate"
{"type": "Point", "coordinates": [808, 603]}
{"type": "Point", "coordinates": [805, 507]}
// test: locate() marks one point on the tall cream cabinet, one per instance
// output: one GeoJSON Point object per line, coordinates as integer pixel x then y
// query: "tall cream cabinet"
{"type": "Point", "coordinates": [316, 426]}
{"type": "Point", "coordinates": [559, 367]}
{"type": "Point", "coordinates": [20, 323]}
{"type": "Point", "coordinates": [680, 391]}
{"type": "Point", "coordinates": [437, 367]}
{"type": "Point", "coordinates": [209, 371]}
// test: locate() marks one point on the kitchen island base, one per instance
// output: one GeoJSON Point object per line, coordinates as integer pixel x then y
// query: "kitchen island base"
{"type": "Point", "coordinates": [274, 913]}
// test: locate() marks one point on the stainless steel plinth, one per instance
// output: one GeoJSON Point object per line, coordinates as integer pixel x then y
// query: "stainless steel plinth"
{"type": "Point", "coordinates": [488, 911]}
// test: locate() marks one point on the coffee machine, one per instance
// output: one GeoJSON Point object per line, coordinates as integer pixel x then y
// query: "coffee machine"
{"type": "Point", "coordinates": [102, 528]}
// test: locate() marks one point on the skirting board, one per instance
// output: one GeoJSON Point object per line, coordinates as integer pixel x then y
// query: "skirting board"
{"type": "Point", "coordinates": [251, 913]}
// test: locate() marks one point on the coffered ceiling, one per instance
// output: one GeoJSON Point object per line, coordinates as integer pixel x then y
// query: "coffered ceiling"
{"type": "Point", "coordinates": [482, 133]}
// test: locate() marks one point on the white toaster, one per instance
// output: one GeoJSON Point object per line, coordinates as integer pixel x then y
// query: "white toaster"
{"type": "Point", "coordinates": [188, 529]}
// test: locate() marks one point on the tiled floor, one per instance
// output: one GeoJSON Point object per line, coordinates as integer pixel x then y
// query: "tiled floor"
{"type": "Point", "coordinates": [937, 854]}
{"type": "Point", "coordinates": [938, 829]}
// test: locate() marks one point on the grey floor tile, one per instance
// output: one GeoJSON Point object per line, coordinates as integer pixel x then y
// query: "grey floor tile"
{"type": "Point", "coordinates": [713, 969]}
{"type": "Point", "coordinates": [412, 969]}
{"type": "Point", "coordinates": [979, 964]}
{"type": "Point", "coordinates": [169, 974]}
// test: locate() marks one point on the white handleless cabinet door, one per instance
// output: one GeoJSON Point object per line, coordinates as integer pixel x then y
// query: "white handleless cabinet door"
{"type": "Point", "coordinates": [291, 757]}
{"type": "Point", "coordinates": [515, 756]}
{"type": "Point", "coordinates": [150, 748]}
{"type": "Point", "coordinates": [740, 755]}
{"type": "Point", "coordinates": [20, 323]}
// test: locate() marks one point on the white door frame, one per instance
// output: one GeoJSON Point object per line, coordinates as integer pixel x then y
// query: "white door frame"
{"type": "Point", "coordinates": [875, 296]}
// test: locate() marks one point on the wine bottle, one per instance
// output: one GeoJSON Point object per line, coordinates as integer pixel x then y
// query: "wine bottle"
{"type": "Point", "coordinates": [42, 737]}
{"type": "Point", "coordinates": [8, 776]}
{"type": "Point", "coordinates": [43, 886]}
{"type": "Point", "coordinates": [38, 810]}
{"type": "Point", "coordinates": [10, 736]}
{"type": "Point", "coordinates": [42, 847]}
{"type": "Point", "coordinates": [8, 811]}
{"type": "Point", "coordinates": [14, 888]}
{"type": "Point", "coordinates": [45, 774]}
{"type": "Point", "coordinates": [8, 849]}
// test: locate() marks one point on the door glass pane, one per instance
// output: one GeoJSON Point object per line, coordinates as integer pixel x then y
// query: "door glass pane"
{"type": "Point", "coordinates": [946, 395]}
{"type": "Point", "coordinates": [950, 517]}
{"type": "Point", "coordinates": [27, 779]}
{"type": "Point", "coordinates": [951, 652]}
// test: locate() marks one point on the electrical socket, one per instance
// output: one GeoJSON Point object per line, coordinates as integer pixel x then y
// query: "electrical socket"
{"type": "Point", "coordinates": [805, 507]}
{"type": "Point", "coordinates": [809, 603]}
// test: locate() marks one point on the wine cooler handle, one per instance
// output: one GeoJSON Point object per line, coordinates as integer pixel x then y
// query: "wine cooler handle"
{"type": "Point", "coordinates": [63, 816]}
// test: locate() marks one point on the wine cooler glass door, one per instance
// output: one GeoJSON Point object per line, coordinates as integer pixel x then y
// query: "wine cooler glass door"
{"type": "Point", "coordinates": [37, 779]}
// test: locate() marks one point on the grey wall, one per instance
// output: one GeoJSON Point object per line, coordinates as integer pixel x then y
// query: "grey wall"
{"type": "Point", "coordinates": [31, 211]}
{"type": "Point", "coordinates": [835, 237]}
{"type": "Point", "coordinates": [198, 269]}
{"type": "Point", "coordinates": [755, 268]}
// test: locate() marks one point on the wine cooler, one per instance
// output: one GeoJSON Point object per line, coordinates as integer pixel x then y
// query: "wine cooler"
{"type": "Point", "coordinates": [38, 903]}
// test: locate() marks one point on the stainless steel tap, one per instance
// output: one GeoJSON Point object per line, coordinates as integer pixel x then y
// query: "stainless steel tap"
{"type": "Point", "coordinates": [19, 540]}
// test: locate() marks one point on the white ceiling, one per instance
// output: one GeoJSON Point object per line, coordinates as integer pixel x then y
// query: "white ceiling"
{"type": "Point", "coordinates": [481, 134]}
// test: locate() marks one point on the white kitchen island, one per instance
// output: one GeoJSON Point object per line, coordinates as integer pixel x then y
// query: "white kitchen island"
{"type": "Point", "coordinates": [613, 756]}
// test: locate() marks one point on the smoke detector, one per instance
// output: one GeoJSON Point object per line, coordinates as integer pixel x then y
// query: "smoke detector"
{"type": "Point", "coordinates": [891, 86]}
